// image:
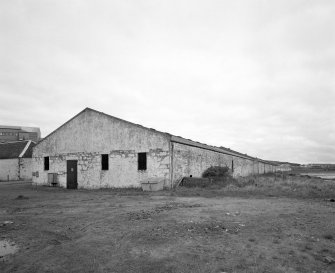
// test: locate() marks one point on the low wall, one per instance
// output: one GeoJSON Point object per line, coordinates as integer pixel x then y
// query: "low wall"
{"type": "Point", "coordinates": [9, 169]}
{"type": "Point", "coordinates": [25, 165]}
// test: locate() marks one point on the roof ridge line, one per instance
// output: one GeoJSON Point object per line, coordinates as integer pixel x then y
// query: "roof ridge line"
{"type": "Point", "coordinates": [25, 149]}
{"type": "Point", "coordinates": [13, 141]}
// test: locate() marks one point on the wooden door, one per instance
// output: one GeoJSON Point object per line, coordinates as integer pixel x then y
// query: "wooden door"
{"type": "Point", "coordinates": [71, 177]}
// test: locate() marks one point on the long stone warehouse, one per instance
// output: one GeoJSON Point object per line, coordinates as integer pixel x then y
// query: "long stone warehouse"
{"type": "Point", "coordinates": [96, 150]}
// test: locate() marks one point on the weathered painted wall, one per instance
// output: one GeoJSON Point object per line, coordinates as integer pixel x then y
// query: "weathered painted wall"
{"type": "Point", "coordinates": [25, 165]}
{"type": "Point", "coordinates": [242, 166]}
{"type": "Point", "coordinates": [189, 160]}
{"type": "Point", "coordinates": [9, 169]}
{"type": "Point", "coordinates": [91, 134]}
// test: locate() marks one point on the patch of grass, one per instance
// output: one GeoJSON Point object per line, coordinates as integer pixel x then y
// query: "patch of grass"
{"type": "Point", "coordinates": [273, 185]}
{"type": "Point", "coordinates": [214, 177]}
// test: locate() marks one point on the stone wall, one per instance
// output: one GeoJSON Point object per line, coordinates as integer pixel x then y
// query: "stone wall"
{"type": "Point", "coordinates": [25, 167]}
{"type": "Point", "coordinates": [9, 169]}
{"type": "Point", "coordinates": [242, 166]}
{"type": "Point", "coordinates": [90, 134]}
{"type": "Point", "coordinates": [188, 160]}
{"type": "Point", "coordinates": [122, 170]}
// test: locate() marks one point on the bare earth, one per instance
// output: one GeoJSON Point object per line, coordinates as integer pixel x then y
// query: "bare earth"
{"type": "Point", "coordinates": [60, 230]}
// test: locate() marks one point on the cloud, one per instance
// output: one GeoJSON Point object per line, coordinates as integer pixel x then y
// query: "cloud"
{"type": "Point", "coordinates": [255, 76]}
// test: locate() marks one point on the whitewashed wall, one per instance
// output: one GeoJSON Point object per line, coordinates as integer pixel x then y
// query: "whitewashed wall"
{"type": "Point", "coordinates": [25, 165]}
{"type": "Point", "coordinates": [9, 169]}
{"type": "Point", "coordinates": [91, 134]}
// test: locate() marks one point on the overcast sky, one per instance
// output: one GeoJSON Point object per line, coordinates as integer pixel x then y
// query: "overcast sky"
{"type": "Point", "coordinates": [255, 76]}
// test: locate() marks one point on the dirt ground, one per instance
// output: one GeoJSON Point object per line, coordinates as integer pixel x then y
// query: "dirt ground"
{"type": "Point", "coordinates": [58, 230]}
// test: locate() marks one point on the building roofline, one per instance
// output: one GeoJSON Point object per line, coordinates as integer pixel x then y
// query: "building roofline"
{"type": "Point", "coordinates": [10, 127]}
{"type": "Point", "coordinates": [182, 140]}
{"type": "Point", "coordinates": [17, 127]}
{"type": "Point", "coordinates": [172, 138]}
{"type": "Point", "coordinates": [192, 143]}
{"type": "Point", "coordinates": [19, 153]}
{"type": "Point", "coordinates": [58, 128]}
{"type": "Point", "coordinates": [25, 149]}
{"type": "Point", "coordinates": [129, 122]}
{"type": "Point", "coordinates": [102, 113]}
{"type": "Point", "coordinates": [13, 141]}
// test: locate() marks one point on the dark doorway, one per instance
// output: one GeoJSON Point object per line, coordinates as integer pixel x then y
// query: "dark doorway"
{"type": "Point", "coordinates": [71, 177]}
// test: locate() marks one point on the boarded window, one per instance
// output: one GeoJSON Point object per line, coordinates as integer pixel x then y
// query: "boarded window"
{"type": "Point", "coordinates": [142, 161]}
{"type": "Point", "coordinates": [104, 162]}
{"type": "Point", "coordinates": [46, 163]}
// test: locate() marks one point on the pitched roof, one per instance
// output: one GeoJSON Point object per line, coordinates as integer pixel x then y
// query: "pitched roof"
{"type": "Point", "coordinates": [173, 138]}
{"type": "Point", "coordinates": [193, 143]}
{"type": "Point", "coordinates": [16, 149]}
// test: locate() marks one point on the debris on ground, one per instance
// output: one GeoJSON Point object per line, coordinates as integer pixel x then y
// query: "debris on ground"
{"type": "Point", "coordinates": [7, 248]}
{"type": "Point", "coordinates": [329, 260]}
{"type": "Point", "coordinates": [5, 223]}
{"type": "Point", "coordinates": [190, 228]}
{"type": "Point", "coordinates": [233, 213]}
{"type": "Point", "coordinates": [21, 197]}
{"type": "Point", "coordinates": [148, 214]}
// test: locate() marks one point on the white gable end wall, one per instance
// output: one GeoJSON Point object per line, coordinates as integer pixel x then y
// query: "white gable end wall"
{"type": "Point", "coordinates": [90, 134]}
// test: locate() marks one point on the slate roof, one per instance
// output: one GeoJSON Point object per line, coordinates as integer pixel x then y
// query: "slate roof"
{"type": "Point", "coordinates": [14, 149]}
{"type": "Point", "coordinates": [173, 138]}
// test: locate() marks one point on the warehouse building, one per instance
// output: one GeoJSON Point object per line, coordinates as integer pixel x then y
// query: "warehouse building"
{"type": "Point", "coordinates": [96, 150]}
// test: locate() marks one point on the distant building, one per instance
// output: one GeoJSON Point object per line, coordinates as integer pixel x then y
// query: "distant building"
{"type": "Point", "coordinates": [16, 160]}
{"type": "Point", "coordinates": [17, 133]}
{"type": "Point", "coordinates": [284, 168]}
{"type": "Point", "coordinates": [320, 166]}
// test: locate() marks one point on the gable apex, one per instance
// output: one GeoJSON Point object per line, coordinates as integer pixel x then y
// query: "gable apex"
{"type": "Point", "coordinates": [126, 121]}
{"type": "Point", "coordinates": [88, 109]}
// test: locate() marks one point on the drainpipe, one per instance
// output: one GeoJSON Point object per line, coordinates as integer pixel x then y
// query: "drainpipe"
{"type": "Point", "coordinates": [19, 163]}
{"type": "Point", "coordinates": [21, 155]}
{"type": "Point", "coordinates": [258, 166]}
{"type": "Point", "coordinates": [171, 164]}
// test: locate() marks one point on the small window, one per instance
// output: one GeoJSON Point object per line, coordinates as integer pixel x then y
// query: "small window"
{"type": "Point", "coordinates": [142, 161]}
{"type": "Point", "coordinates": [104, 162]}
{"type": "Point", "coordinates": [46, 163]}
{"type": "Point", "coordinates": [232, 165]}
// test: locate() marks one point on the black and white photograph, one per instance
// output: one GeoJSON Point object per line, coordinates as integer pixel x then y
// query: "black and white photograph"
{"type": "Point", "coordinates": [167, 136]}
